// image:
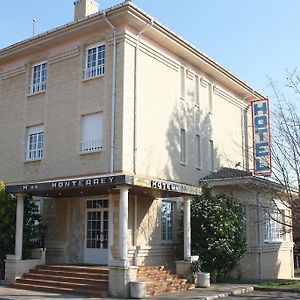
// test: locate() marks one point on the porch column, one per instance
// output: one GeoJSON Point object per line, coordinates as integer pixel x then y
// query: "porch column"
{"type": "Point", "coordinates": [123, 225]}
{"type": "Point", "coordinates": [187, 227]}
{"type": "Point", "coordinates": [19, 226]}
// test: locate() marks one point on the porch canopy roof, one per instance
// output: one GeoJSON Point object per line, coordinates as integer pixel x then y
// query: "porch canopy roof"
{"type": "Point", "coordinates": [102, 184]}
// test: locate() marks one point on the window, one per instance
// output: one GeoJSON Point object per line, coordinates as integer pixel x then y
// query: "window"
{"type": "Point", "coordinates": [39, 78]}
{"type": "Point", "coordinates": [182, 146]}
{"type": "Point", "coordinates": [197, 90]}
{"type": "Point", "coordinates": [212, 155]}
{"type": "Point", "coordinates": [198, 151]}
{"type": "Point", "coordinates": [35, 143]}
{"type": "Point", "coordinates": [95, 59]}
{"type": "Point", "coordinates": [92, 131]}
{"type": "Point", "coordinates": [182, 82]}
{"type": "Point", "coordinates": [167, 209]}
{"type": "Point", "coordinates": [210, 98]}
{"type": "Point", "coordinates": [274, 226]}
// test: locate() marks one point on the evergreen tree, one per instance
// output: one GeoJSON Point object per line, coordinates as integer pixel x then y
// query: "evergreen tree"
{"type": "Point", "coordinates": [218, 233]}
{"type": "Point", "coordinates": [32, 228]}
{"type": "Point", "coordinates": [7, 227]}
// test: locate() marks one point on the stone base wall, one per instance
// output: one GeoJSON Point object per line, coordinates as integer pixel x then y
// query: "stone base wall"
{"type": "Point", "coordinates": [274, 261]}
{"type": "Point", "coordinates": [16, 268]}
{"type": "Point", "coordinates": [119, 281]}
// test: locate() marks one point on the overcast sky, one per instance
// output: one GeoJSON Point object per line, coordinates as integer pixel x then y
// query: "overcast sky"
{"type": "Point", "coordinates": [253, 39]}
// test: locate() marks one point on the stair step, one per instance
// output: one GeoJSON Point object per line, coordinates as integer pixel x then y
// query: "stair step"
{"type": "Point", "coordinates": [72, 268]}
{"type": "Point", "coordinates": [70, 274]}
{"type": "Point", "coordinates": [60, 284]}
{"type": "Point", "coordinates": [36, 276]}
{"type": "Point", "coordinates": [161, 281]}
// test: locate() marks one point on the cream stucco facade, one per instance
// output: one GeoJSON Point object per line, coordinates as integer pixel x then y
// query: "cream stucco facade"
{"type": "Point", "coordinates": [154, 89]}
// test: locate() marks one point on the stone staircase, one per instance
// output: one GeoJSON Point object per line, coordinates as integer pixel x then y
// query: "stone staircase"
{"type": "Point", "coordinates": [161, 281]}
{"type": "Point", "coordinates": [90, 281]}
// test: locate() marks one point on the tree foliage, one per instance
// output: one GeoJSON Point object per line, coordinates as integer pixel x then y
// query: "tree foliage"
{"type": "Point", "coordinates": [7, 226]}
{"type": "Point", "coordinates": [218, 232]}
{"type": "Point", "coordinates": [32, 229]}
{"type": "Point", "coordinates": [286, 135]}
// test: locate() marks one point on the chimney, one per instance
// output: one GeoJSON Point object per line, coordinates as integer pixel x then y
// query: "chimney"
{"type": "Point", "coordinates": [84, 8]}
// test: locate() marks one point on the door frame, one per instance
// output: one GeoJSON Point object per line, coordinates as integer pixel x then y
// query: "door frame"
{"type": "Point", "coordinates": [110, 224]}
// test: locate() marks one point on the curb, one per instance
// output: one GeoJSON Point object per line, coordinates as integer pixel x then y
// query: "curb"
{"type": "Point", "coordinates": [258, 288]}
{"type": "Point", "coordinates": [231, 293]}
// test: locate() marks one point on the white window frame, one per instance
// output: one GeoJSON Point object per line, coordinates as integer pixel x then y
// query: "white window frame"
{"type": "Point", "coordinates": [99, 69]}
{"type": "Point", "coordinates": [40, 85]}
{"type": "Point", "coordinates": [197, 90]}
{"type": "Point", "coordinates": [92, 145]}
{"type": "Point", "coordinates": [167, 222]}
{"type": "Point", "coordinates": [210, 98]}
{"type": "Point", "coordinates": [182, 83]}
{"type": "Point", "coordinates": [34, 148]}
{"type": "Point", "coordinates": [183, 146]}
{"type": "Point", "coordinates": [211, 155]}
{"type": "Point", "coordinates": [273, 226]}
{"type": "Point", "coordinates": [198, 151]}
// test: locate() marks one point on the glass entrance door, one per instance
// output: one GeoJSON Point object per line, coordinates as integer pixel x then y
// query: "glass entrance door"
{"type": "Point", "coordinates": [96, 241]}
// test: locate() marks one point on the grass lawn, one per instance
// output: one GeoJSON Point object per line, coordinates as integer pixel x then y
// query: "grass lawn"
{"type": "Point", "coordinates": [281, 284]}
{"type": "Point", "coordinates": [297, 271]}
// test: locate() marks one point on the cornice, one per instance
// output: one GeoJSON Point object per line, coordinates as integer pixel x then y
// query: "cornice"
{"type": "Point", "coordinates": [63, 56]}
{"type": "Point", "coordinates": [13, 72]}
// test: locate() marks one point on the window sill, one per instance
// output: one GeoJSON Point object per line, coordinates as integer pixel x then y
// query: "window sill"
{"type": "Point", "coordinates": [37, 93]}
{"type": "Point", "coordinates": [275, 242]}
{"type": "Point", "coordinates": [92, 151]}
{"type": "Point", "coordinates": [93, 77]}
{"type": "Point", "coordinates": [33, 160]}
{"type": "Point", "coordinates": [167, 243]}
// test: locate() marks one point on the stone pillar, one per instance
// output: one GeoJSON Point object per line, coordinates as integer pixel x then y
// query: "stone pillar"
{"type": "Point", "coordinates": [183, 267]}
{"type": "Point", "coordinates": [123, 225]}
{"type": "Point", "coordinates": [187, 228]}
{"type": "Point", "coordinates": [120, 273]}
{"type": "Point", "coordinates": [19, 226]}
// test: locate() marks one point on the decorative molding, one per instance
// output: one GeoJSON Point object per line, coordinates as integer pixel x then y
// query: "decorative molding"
{"type": "Point", "coordinates": [190, 74]}
{"type": "Point", "coordinates": [223, 94]}
{"type": "Point", "coordinates": [204, 82]}
{"type": "Point", "coordinates": [63, 56]}
{"type": "Point", "coordinates": [14, 72]}
{"type": "Point", "coordinates": [150, 51]}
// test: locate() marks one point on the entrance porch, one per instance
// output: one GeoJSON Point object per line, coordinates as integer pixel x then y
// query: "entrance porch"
{"type": "Point", "coordinates": [109, 220]}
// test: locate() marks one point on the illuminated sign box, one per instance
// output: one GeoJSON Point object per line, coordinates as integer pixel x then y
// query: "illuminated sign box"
{"type": "Point", "coordinates": [261, 137]}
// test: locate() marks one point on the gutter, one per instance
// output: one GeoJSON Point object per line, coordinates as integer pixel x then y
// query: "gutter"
{"type": "Point", "coordinates": [136, 93]}
{"type": "Point", "coordinates": [113, 95]}
{"type": "Point", "coordinates": [259, 237]}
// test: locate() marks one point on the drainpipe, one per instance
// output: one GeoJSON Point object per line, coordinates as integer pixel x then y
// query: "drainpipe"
{"type": "Point", "coordinates": [113, 95]}
{"type": "Point", "coordinates": [135, 93]}
{"type": "Point", "coordinates": [259, 237]}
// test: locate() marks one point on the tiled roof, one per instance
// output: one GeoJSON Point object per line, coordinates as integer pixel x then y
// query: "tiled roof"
{"type": "Point", "coordinates": [224, 173]}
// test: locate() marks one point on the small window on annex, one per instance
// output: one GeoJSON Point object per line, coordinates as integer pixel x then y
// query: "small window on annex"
{"type": "Point", "coordinates": [197, 151]}
{"type": "Point", "coordinates": [167, 219]}
{"type": "Point", "coordinates": [212, 155]}
{"type": "Point", "coordinates": [38, 78]}
{"type": "Point", "coordinates": [95, 61]}
{"type": "Point", "coordinates": [35, 143]}
{"type": "Point", "coordinates": [92, 132]}
{"type": "Point", "coordinates": [273, 225]}
{"type": "Point", "coordinates": [182, 146]}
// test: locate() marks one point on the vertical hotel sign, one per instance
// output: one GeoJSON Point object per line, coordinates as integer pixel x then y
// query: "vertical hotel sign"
{"type": "Point", "coordinates": [261, 137]}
